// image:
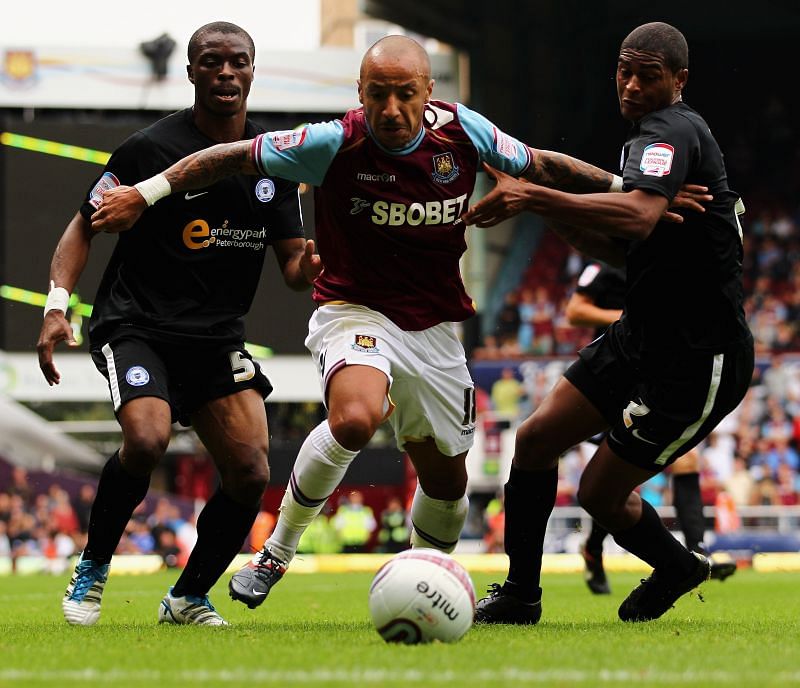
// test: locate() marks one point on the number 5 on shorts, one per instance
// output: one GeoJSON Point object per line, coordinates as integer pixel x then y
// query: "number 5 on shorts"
{"type": "Point", "coordinates": [242, 367]}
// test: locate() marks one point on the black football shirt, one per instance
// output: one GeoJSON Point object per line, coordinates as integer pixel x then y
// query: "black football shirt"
{"type": "Point", "coordinates": [190, 266]}
{"type": "Point", "coordinates": [684, 281]}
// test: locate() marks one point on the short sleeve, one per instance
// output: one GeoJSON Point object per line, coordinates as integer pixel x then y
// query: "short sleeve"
{"type": "Point", "coordinates": [123, 168]}
{"type": "Point", "coordinates": [302, 155]}
{"type": "Point", "coordinates": [494, 146]}
{"type": "Point", "coordinates": [660, 157]}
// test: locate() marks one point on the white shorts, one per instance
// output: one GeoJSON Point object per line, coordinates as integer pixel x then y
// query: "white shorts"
{"type": "Point", "coordinates": [429, 383]}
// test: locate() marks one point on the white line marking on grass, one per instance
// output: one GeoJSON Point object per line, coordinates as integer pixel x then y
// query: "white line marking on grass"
{"type": "Point", "coordinates": [382, 676]}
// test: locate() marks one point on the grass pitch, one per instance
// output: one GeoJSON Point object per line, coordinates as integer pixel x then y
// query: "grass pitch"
{"type": "Point", "coordinates": [315, 631]}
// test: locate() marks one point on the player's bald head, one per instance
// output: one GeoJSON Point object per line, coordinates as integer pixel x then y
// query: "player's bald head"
{"type": "Point", "coordinates": [400, 50]}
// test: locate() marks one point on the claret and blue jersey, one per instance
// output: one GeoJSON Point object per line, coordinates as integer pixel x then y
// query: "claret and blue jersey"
{"type": "Point", "coordinates": [388, 226]}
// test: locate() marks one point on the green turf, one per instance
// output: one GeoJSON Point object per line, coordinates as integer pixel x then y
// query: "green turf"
{"type": "Point", "coordinates": [315, 631]}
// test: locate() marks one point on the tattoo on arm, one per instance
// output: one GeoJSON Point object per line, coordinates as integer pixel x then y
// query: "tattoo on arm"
{"type": "Point", "coordinates": [210, 165]}
{"type": "Point", "coordinates": [565, 173]}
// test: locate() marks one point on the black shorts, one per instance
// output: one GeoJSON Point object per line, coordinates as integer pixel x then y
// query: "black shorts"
{"type": "Point", "coordinates": [659, 407]}
{"type": "Point", "coordinates": [185, 376]}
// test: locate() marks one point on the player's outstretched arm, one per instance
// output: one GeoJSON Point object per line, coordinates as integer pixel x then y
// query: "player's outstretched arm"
{"type": "Point", "coordinates": [122, 206]}
{"type": "Point", "coordinates": [67, 264]}
{"type": "Point", "coordinates": [628, 215]}
{"type": "Point", "coordinates": [563, 172]}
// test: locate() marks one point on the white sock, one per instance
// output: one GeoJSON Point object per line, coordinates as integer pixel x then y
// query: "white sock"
{"type": "Point", "coordinates": [318, 470]}
{"type": "Point", "coordinates": [437, 523]}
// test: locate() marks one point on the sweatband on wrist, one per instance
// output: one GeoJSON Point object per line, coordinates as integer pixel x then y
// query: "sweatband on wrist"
{"type": "Point", "coordinates": [57, 299]}
{"type": "Point", "coordinates": [154, 189]}
{"type": "Point", "coordinates": [616, 184]}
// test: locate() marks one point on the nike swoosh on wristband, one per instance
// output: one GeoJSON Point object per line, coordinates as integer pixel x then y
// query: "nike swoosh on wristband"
{"type": "Point", "coordinates": [190, 196]}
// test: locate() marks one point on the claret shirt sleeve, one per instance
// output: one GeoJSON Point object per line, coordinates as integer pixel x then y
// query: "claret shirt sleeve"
{"type": "Point", "coordinates": [301, 155]}
{"type": "Point", "coordinates": [660, 156]}
{"type": "Point", "coordinates": [494, 146]}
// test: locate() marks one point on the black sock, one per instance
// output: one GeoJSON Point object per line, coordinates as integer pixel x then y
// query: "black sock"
{"type": "Point", "coordinates": [594, 543]}
{"type": "Point", "coordinates": [650, 540]}
{"type": "Point", "coordinates": [529, 500]}
{"type": "Point", "coordinates": [689, 507]}
{"type": "Point", "coordinates": [118, 494]}
{"type": "Point", "coordinates": [222, 527]}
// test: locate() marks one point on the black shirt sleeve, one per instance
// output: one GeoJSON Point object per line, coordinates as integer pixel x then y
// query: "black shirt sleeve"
{"type": "Point", "coordinates": [123, 168]}
{"type": "Point", "coordinates": [660, 156]}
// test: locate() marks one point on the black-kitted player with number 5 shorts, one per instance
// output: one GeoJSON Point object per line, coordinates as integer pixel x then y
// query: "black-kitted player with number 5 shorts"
{"type": "Point", "coordinates": [167, 328]}
{"type": "Point", "coordinates": [665, 374]}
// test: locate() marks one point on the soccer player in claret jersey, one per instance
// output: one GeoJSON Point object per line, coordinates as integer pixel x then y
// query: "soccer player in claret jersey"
{"type": "Point", "coordinates": [597, 301]}
{"type": "Point", "coordinates": [167, 329]}
{"type": "Point", "coordinates": [660, 378]}
{"type": "Point", "coordinates": [393, 178]}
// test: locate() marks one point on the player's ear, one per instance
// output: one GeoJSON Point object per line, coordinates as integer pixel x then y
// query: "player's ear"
{"type": "Point", "coordinates": [681, 78]}
{"type": "Point", "coordinates": [360, 93]}
{"type": "Point", "coordinates": [190, 73]}
{"type": "Point", "coordinates": [429, 91]}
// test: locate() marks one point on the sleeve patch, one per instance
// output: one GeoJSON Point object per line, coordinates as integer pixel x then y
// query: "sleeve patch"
{"type": "Point", "coordinates": [589, 273]}
{"type": "Point", "coordinates": [657, 159]}
{"type": "Point", "coordinates": [283, 140]}
{"type": "Point", "coordinates": [504, 144]}
{"type": "Point", "coordinates": [106, 182]}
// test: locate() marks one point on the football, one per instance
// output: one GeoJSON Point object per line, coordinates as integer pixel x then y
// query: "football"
{"type": "Point", "coordinates": [422, 595]}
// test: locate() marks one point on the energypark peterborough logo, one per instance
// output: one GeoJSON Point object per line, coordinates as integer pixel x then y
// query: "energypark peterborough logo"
{"type": "Point", "coordinates": [198, 235]}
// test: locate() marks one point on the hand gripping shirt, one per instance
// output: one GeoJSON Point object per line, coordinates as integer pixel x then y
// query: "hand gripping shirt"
{"type": "Point", "coordinates": [684, 281]}
{"type": "Point", "coordinates": [387, 220]}
{"type": "Point", "coordinates": [190, 266]}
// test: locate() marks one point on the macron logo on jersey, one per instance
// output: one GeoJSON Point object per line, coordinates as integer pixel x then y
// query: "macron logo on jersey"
{"type": "Point", "coordinates": [657, 160]}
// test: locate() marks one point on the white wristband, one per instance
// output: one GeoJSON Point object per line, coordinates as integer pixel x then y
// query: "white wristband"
{"type": "Point", "coordinates": [57, 299]}
{"type": "Point", "coordinates": [616, 184]}
{"type": "Point", "coordinates": [154, 189]}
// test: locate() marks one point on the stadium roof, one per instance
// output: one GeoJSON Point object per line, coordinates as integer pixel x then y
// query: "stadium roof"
{"type": "Point", "coordinates": [27, 440]}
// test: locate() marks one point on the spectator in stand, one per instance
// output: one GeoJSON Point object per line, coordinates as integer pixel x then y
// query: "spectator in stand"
{"type": "Point", "coordinates": [83, 506]}
{"type": "Point", "coordinates": [495, 517]}
{"type": "Point", "coordinates": [5, 543]}
{"type": "Point", "coordinates": [507, 393]}
{"type": "Point", "coordinates": [167, 548]}
{"type": "Point", "coordinates": [394, 534]}
{"type": "Point", "coordinates": [320, 537]}
{"type": "Point", "coordinates": [526, 309]}
{"type": "Point", "coordinates": [20, 485]}
{"type": "Point", "coordinates": [5, 507]}
{"type": "Point", "coordinates": [544, 313]}
{"type": "Point", "coordinates": [354, 523]}
{"type": "Point", "coordinates": [508, 321]}
{"type": "Point", "coordinates": [782, 454]}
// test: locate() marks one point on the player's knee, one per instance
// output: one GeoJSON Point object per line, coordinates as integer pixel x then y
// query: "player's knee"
{"type": "Point", "coordinates": [246, 478]}
{"type": "Point", "coordinates": [532, 449]}
{"type": "Point", "coordinates": [353, 426]}
{"type": "Point", "coordinates": [142, 450]}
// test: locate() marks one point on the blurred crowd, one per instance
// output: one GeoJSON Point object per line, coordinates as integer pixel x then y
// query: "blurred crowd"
{"type": "Point", "coordinates": [52, 524]}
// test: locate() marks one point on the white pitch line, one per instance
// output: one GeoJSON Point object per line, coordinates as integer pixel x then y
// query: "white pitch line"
{"type": "Point", "coordinates": [382, 676]}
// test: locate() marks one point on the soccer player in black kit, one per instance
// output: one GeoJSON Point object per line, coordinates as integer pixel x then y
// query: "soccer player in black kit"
{"type": "Point", "coordinates": [597, 301]}
{"type": "Point", "coordinates": [167, 328]}
{"type": "Point", "coordinates": [664, 375]}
